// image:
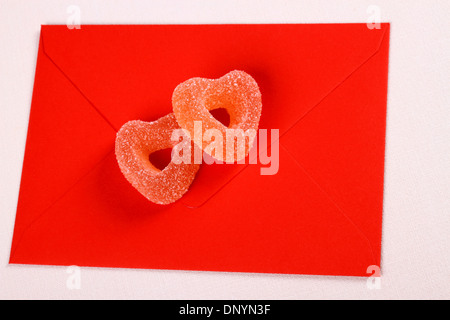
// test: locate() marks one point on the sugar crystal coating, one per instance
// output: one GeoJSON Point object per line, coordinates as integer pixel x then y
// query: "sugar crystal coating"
{"type": "Point", "coordinates": [135, 141]}
{"type": "Point", "coordinates": [237, 92]}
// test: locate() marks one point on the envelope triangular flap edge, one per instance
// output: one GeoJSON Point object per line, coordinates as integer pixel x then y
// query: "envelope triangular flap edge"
{"type": "Point", "coordinates": [326, 56]}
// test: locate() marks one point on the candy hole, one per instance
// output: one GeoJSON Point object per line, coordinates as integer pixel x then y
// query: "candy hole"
{"type": "Point", "coordinates": [161, 158]}
{"type": "Point", "coordinates": [221, 115]}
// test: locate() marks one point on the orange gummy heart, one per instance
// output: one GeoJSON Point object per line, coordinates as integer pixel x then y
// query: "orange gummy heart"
{"type": "Point", "coordinates": [239, 94]}
{"type": "Point", "coordinates": [135, 141]}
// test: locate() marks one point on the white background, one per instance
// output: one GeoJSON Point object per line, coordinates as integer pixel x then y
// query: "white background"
{"type": "Point", "coordinates": [416, 226]}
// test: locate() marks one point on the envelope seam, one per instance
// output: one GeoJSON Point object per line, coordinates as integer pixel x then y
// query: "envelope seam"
{"type": "Point", "coordinates": [362, 234]}
{"type": "Point", "coordinates": [218, 190]}
{"type": "Point", "coordinates": [336, 87]}
{"type": "Point", "coordinates": [13, 250]}
{"type": "Point", "coordinates": [305, 114]}
{"type": "Point", "coordinates": [76, 87]}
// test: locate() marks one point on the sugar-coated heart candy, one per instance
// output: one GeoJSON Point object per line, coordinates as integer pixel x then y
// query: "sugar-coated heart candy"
{"type": "Point", "coordinates": [238, 93]}
{"type": "Point", "coordinates": [135, 141]}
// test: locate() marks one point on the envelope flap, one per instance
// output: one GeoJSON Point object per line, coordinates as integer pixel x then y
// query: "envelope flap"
{"type": "Point", "coordinates": [130, 72]}
{"type": "Point", "coordinates": [345, 134]}
{"type": "Point", "coordinates": [116, 227]}
{"type": "Point", "coordinates": [66, 138]}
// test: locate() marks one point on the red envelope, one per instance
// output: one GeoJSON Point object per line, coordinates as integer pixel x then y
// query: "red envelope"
{"type": "Point", "coordinates": [324, 86]}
